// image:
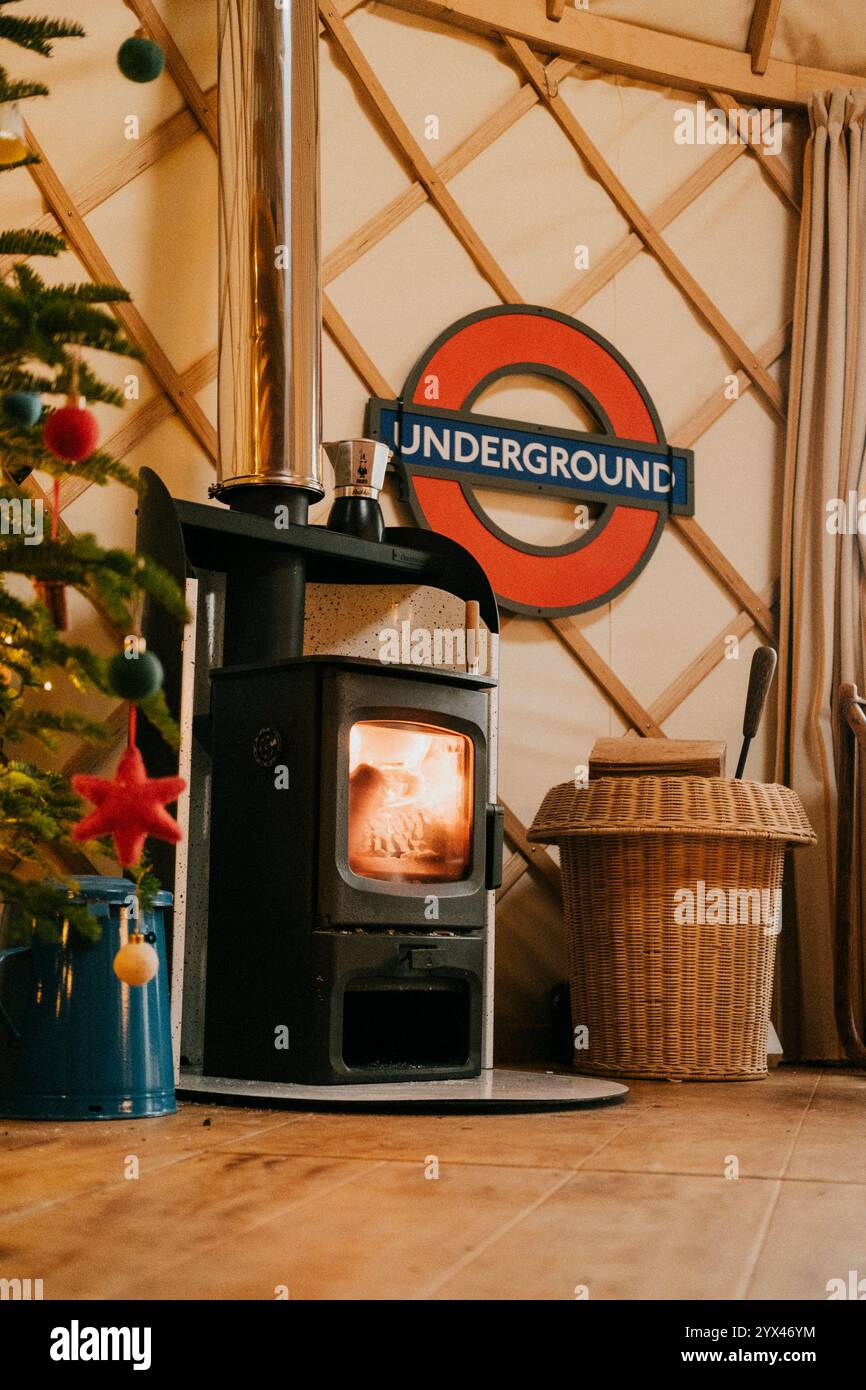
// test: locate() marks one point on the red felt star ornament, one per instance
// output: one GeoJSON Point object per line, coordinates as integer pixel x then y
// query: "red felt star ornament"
{"type": "Point", "coordinates": [130, 807]}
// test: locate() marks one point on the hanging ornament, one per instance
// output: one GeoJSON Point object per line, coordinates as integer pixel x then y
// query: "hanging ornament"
{"type": "Point", "coordinates": [140, 59]}
{"type": "Point", "coordinates": [52, 592]}
{"type": "Point", "coordinates": [13, 145]}
{"type": "Point", "coordinates": [71, 433]}
{"type": "Point", "coordinates": [136, 674]}
{"type": "Point", "coordinates": [129, 807]}
{"type": "Point", "coordinates": [136, 963]}
{"type": "Point", "coordinates": [22, 407]}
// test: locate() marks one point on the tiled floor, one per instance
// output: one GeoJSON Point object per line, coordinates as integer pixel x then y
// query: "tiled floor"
{"type": "Point", "coordinates": [687, 1191]}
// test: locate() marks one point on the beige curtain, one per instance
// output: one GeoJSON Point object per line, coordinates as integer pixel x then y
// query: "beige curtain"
{"type": "Point", "coordinates": [822, 608]}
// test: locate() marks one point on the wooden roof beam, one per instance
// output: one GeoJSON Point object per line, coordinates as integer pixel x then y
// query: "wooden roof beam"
{"type": "Point", "coordinates": [645, 54]}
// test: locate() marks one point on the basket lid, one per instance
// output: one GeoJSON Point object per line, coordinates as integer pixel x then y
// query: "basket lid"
{"type": "Point", "coordinates": [684, 805]}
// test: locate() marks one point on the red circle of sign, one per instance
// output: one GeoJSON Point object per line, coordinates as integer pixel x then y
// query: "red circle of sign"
{"type": "Point", "coordinates": [581, 577]}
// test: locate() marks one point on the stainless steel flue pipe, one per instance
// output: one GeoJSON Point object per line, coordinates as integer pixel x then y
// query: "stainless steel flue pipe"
{"type": "Point", "coordinates": [270, 275]}
{"type": "Point", "coordinates": [270, 388]}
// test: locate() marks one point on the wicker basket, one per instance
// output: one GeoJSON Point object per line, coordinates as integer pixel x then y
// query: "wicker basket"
{"type": "Point", "coordinates": [661, 995]}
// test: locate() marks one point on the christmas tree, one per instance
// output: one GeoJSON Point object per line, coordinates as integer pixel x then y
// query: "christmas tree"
{"type": "Point", "coordinates": [44, 425]}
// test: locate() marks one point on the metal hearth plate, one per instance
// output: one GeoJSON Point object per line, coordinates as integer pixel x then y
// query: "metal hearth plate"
{"type": "Point", "coordinates": [492, 1091]}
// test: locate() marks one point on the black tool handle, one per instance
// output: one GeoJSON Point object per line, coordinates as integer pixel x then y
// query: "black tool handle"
{"type": "Point", "coordinates": [760, 677]}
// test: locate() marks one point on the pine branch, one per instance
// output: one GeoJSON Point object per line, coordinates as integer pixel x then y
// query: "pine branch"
{"type": "Point", "coordinates": [11, 91]}
{"type": "Point", "coordinates": [46, 907]}
{"type": "Point", "coordinates": [112, 576]}
{"type": "Point", "coordinates": [31, 243]}
{"type": "Point", "coordinates": [90, 293]}
{"type": "Point", "coordinates": [156, 711]}
{"type": "Point", "coordinates": [89, 385]}
{"type": "Point", "coordinates": [39, 323]}
{"type": "Point", "coordinates": [13, 609]}
{"type": "Point", "coordinates": [21, 447]}
{"type": "Point", "coordinates": [43, 724]}
{"type": "Point", "coordinates": [37, 34]}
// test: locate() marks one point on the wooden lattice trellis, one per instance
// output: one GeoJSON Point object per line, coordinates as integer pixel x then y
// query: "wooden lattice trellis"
{"type": "Point", "coordinates": [429, 183]}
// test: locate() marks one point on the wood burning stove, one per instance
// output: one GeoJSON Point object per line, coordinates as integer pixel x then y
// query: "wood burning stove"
{"type": "Point", "coordinates": [346, 829]}
{"type": "Point", "coordinates": [352, 798]}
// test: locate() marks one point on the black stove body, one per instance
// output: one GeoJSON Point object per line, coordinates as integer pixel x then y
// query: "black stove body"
{"type": "Point", "coordinates": [350, 839]}
{"type": "Point", "coordinates": [348, 894]}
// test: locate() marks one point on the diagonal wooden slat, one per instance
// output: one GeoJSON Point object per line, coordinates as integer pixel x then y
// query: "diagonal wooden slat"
{"type": "Point", "coordinates": [570, 635]}
{"type": "Point", "coordinates": [762, 31]}
{"type": "Point", "coordinates": [730, 577]}
{"type": "Point", "coordinates": [86, 247]}
{"type": "Point", "coordinates": [353, 351]}
{"type": "Point", "coordinates": [414, 197]}
{"type": "Point", "coordinates": [536, 856]}
{"type": "Point", "coordinates": [778, 171]}
{"type": "Point", "coordinates": [665, 212]}
{"type": "Point", "coordinates": [414, 156]}
{"type": "Point", "coordinates": [707, 660]}
{"type": "Point", "coordinates": [139, 425]}
{"type": "Point", "coordinates": [141, 155]}
{"type": "Point", "coordinates": [202, 108]}
{"type": "Point", "coordinates": [513, 870]}
{"type": "Point", "coordinates": [715, 406]}
{"type": "Point", "coordinates": [645, 229]}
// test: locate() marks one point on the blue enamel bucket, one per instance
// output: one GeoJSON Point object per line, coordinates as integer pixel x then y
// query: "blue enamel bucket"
{"type": "Point", "coordinates": [75, 1042]}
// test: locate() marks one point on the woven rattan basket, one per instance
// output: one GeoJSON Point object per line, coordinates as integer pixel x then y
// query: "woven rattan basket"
{"type": "Point", "coordinates": [652, 992]}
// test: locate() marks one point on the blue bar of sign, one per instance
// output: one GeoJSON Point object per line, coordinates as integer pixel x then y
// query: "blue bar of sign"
{"type": "Point", "coordinates": [500, 454]}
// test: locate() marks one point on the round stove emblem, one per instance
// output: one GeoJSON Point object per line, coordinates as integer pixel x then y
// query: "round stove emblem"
{"type": "Point", "coordinates": [266, 746]}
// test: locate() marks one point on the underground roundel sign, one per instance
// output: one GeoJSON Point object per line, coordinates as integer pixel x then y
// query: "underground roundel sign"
{"type": "Point", "coordinates": [443, 451]}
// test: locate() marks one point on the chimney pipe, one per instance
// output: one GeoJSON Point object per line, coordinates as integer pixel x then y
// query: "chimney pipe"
{"type": "Point", "coordinates": [270, 275]}
{"type": "Point", "coordinates": [270, 394]}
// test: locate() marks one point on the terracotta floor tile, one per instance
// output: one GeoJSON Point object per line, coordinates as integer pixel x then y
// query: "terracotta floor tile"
{"type": "Point", "coordinates": [624, 1235]}
{"type": "Point", "coordinates": [121, 1237]}
{"type": "Point", "coordinates": [47, 1162]}
{"type": "Point", "coordinates": [831, 1145]}
{"type": "Point", "coordinates": [817, 1233]}
{"type": "Point", "coordinates": [558, 1140]}
{"type": "Point", "coordinates": [387, 1235]}
{"type": "Point", "coordinates": [785, 1091]}
{"type": "Point", "coordinates": [653, 1145]}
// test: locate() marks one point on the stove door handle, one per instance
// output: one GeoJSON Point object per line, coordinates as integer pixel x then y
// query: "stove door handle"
{"type": "Point", "coordinates": [495, 840]}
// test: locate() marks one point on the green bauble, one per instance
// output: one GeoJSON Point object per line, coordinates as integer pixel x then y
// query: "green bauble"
{"type": "Point", "coordinates": [135, 677]}
{"type": "Point", "coordinates": [141, 60]}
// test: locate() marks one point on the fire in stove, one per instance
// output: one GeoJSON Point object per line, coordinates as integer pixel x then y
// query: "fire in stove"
{"type": "Point", "coordinates": [410, 802]}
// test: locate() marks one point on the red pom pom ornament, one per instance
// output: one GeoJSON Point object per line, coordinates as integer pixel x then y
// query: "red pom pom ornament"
{"type": "Point", "coordinates": [71, 433]}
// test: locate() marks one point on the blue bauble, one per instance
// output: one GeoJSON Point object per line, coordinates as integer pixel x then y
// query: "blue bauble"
{"type": "Point", "coordinates": [22, 407]}
{"type": "Point", "coordinates": [141, 60]}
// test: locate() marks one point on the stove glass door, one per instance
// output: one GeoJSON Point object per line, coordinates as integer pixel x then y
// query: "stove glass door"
{"type": "Point", "coordinates": [410, 802]}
